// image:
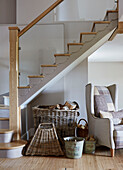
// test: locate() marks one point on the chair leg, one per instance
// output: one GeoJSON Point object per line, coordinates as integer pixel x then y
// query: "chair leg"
{"type": "Point", "coordinates": [112, 152]}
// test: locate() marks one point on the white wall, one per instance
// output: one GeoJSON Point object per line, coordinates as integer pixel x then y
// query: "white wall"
{"type": "Point", "coordinates": [73, 10]}
{"type": "Point", "coordinates": [7, 11]}
{"type": "Point", "coordinates": [120, 10]}
{"type": "Point", "coordinates": [68, 10]}
{"type": "Point", "coordinates": [4, 59]}
{"type": "Point", "coordinates": [27, 10]}
{"type": "Point", "coordinates": [105, 74]}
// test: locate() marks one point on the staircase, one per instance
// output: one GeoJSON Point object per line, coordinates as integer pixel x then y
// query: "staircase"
{"type": "Point", "coordinates": [77, 52]}
{"type": "Point", "coordinates": [9, 148]}
{"type": "Point", "coordinates": [10, 144]}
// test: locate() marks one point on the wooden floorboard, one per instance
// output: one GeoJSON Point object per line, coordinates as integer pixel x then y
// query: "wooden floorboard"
{"type": "Point", "coordinates": [101, 160]}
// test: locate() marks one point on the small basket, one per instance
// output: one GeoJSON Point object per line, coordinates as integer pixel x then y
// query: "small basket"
{"type": "Point", "coordinates": [82, 132]}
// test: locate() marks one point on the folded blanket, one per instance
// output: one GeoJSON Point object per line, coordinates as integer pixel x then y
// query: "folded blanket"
{"type": "Point", "coordinates": [118, 114]}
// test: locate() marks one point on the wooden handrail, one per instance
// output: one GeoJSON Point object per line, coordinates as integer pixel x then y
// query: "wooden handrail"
{"type": "Point", "coordinates": [39, 17]}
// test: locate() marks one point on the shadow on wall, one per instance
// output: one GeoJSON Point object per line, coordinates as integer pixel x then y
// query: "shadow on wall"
{"type": "Point", "coordinates": [44, 99]}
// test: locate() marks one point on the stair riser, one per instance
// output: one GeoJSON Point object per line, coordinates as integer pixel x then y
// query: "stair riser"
{"type": "Point", "coordinates": [4, 124]}
{"type": "Point", "coordinates": [6, 137]}
{"type": "Point", "coordinates": [12, 153]}
{"type": "Point", "coordinates": [23, 91]}
{"type": "Point", "coordinates": [111, 16]}
{"type": "Point", "coordinates": [34, 81]}
{"type": "Point", "coordinates": [61, 59]}
{"type": "Point", "coordinates": [100, 27]}
{"type": "Point", "coordinates": [86, 38]}
{"type": "Point", "coordinates": [48, 70]}
{"type": "Point", "coordinates": [74, 48]}
{"type": "Point", "coordinates": [4, 113]}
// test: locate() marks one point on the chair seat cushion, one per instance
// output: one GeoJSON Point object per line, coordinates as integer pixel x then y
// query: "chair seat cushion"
{"type": "Point", "coordinates": [118, 136]}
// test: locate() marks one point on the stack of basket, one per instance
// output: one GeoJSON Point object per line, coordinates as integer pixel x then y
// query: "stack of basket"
{"type": "Point", "coordinates": [64, 120]}
{"type": "Point", "coordinates": [48, 122]}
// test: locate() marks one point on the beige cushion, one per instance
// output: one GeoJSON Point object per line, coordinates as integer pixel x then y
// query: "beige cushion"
{"type": "Point", "coordinates": [108, 115]}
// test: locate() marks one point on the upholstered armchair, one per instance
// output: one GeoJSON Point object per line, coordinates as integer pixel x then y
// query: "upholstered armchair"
{"type": "Point", "coordinates": [103, 129]}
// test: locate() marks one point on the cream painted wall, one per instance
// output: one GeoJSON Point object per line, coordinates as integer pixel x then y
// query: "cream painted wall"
{"type": "Point", "coordinates": [105, 74]}
{"type": "Point", "coordinates": [68, 10]}
{"type": "Point", "coordinates": [27, 10]}
{"type": "Point", "coordinates": [74, 10]}
{"type": "Point", "coordinates": [4, 59]}
{"type": "Point", "coordinates": [120, 10]}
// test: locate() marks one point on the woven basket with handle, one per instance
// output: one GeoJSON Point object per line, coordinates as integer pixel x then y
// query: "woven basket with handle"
{"type": "Point", "coordinates": [45, 141]}
{"type": "Point", "coordinates": [80, 131]}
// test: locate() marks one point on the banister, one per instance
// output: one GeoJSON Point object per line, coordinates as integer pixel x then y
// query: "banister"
{"type": "Point", "coordinates": [42, 15]}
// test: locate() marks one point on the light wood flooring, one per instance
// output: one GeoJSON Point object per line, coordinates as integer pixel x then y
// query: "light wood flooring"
{"type": "Point", "coordinates": [101, 160]}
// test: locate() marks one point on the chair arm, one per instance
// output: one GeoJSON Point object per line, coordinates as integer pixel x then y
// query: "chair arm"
{"type": "Point", "coordinates": [102, 129]}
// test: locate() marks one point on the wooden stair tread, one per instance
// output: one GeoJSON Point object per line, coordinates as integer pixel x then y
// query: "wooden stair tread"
{"type": "Point", "coordinates": [4, 118]}
{"type": "Point", "coordinates": [86, 33]}
{"type": "Point", "coordinates": [2, 106]}
{"type": "Point", "coordinates": [49, 65]}
{"type": "Point", "coordinates": [62, 55]}
{"type": "Point", "coordinates": [75, 44]}
{"type": "Point", "coordinates": [24, 87]}
{"type": "Point", "coordinates": [99, 22]}
{"type": "Point", "coordinates": [102, 22]}
{"type": "Point", "coordinates": [3, 131]}
{"type": "Point", "coordinates": [39, 76]}
{"type": "Point", "coordinates": [12, 145]}
{"type": "Point", "coordinates": [112, 11]}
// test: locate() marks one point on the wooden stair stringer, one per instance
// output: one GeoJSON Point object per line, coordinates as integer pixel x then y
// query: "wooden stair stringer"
{"type": "Point", "coordinates": [63, 69]}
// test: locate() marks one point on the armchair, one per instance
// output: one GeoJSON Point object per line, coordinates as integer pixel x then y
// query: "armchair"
{"type": "Point", "coordinates": [103, 129]}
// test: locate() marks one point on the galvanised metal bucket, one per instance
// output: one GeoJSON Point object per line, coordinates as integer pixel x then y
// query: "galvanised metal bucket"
{"type": "Point", "coordinates": [74, 147]}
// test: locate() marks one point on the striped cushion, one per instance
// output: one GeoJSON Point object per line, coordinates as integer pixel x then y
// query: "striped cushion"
{"type": "Point", "coordinates": [118, 136]}
{"type": "Point", "coordinates": [102, 100]}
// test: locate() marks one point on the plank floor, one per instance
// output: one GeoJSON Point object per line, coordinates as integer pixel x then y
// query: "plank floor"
{"type": "Point", "coordinates": [101, 160]}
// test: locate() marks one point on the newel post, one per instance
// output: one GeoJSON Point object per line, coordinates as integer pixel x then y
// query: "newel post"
{"type": "Point", "coordinates": [14, 118]}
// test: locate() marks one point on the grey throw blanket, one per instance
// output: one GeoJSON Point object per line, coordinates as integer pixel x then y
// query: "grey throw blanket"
{"type": "Point", "coordinates": [118, 114]}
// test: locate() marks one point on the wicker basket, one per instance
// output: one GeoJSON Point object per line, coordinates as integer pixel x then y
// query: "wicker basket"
{"type": "Point", "coordinates": [64, 121]}
{"type": "Point", "coordinates": [45, 141]}
{"type": "Point", "coordinates": [82, 132]}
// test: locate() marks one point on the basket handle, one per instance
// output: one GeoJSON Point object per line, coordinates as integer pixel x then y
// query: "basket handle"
{"type": "Point", "coordinates": [81, 120]}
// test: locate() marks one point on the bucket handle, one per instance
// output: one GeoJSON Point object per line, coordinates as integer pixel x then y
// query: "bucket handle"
{"type": "Point", "coordinates": [81, 120]}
